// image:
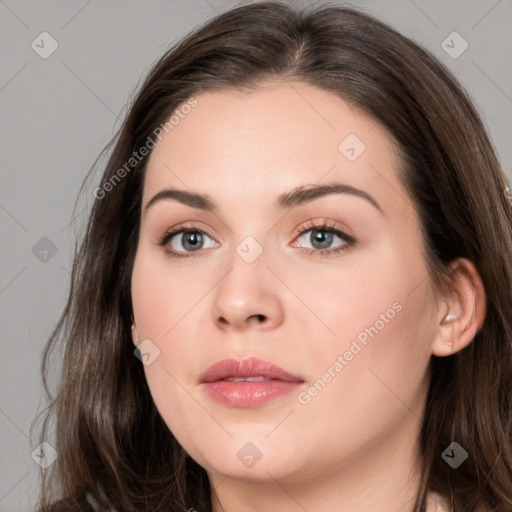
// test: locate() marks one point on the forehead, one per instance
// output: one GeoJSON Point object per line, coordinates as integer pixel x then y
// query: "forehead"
{"type": "Point", "coordinates": [270, 140]}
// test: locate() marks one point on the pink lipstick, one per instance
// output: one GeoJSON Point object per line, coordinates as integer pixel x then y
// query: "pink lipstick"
{"type": "Point", "coordinates": [248, 382]}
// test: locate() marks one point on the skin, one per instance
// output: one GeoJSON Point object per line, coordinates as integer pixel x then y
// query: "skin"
{"type": "Point", "coordinates": [353, 446]}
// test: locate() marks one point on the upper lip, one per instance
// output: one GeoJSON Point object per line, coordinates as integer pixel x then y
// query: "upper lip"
{"type": "Point", "coordinates": [247, 367]}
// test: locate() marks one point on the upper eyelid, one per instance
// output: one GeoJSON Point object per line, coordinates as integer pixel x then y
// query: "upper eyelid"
{"type": "Point", "coordinates": [324, 223]}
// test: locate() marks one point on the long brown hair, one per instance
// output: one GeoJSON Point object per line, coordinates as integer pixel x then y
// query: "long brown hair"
{"type": "Point", "coordinates": [112, 443]}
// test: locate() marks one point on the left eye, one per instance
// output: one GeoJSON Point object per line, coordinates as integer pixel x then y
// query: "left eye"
{"type": "Point", "coordinates": [321, 237]}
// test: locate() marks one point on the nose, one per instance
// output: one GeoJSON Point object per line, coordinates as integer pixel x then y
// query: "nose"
{"type": "Point", "coordinates": [247, 297]}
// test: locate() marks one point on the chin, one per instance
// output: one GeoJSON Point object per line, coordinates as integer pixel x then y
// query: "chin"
{"type": "Point", "coordinates": [258, 461]}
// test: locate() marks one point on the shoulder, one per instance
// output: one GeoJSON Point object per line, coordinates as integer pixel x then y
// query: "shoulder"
{"type": "Point", "coordinates": [437, 503]}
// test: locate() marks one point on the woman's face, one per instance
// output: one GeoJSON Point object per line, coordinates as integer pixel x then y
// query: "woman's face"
{"type": "Point", "coordinates": [353, 327]}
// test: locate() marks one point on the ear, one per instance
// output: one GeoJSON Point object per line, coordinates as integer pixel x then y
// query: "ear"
{"type": "Point", "coordinates": [462, 309]}
{"type": "Point", "coordinates": [135, 335]}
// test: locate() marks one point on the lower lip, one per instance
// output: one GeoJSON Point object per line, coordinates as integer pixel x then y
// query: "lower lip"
{"type": "Point", "coordinates": [249, 393]}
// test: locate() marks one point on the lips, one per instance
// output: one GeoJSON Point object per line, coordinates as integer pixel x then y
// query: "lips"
{"type": "Point", "coordinates": [247, 370]}
{"type": "Point", "coordinates": [249, 382]}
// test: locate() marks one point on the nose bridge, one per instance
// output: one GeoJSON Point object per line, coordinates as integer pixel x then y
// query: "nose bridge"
{"type": "Point", "coordinates": [247, 265]}
{"type": "Point", "coordinates": [250, 249]}
{"type": "Point", "coordinates": [250, 235]}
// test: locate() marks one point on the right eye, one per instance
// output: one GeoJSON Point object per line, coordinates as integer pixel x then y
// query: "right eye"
{"type": "Point", "coordinates": [183, 240]}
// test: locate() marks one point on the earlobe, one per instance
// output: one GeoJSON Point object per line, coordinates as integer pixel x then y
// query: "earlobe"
{"type": "Point", "coordinates": [135, 336]}
{"type": "Point", "coordinates": [444, 342]}
{"type": "Point", "coordinates": [463, 312]}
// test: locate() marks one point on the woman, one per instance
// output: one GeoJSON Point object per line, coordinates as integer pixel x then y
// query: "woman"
{"type": "Point", "coordinates": [369, 369]}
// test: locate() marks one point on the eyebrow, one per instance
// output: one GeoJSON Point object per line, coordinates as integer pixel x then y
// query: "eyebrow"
{"type": "Point", "coordinates": [296, 197]}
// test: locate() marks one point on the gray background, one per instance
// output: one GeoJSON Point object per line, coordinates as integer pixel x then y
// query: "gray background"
{"type": "Point", "coordinates": [58, 113]}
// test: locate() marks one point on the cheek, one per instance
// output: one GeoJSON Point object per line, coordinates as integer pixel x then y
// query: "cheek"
{"type": "Point", "coordinates": [373, 293]}
{"type": "Point", "coordinates": [163, 303]}
{"type": "Point", "coordinates": [379, 384]}
{"type": "Point", "coordinates": [381, 323]}
{"type": "Point", "coordinates": [160, 297]}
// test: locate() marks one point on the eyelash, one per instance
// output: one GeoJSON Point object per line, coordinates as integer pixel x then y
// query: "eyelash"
{"type": "Point", "coordinates": [324, 226]}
